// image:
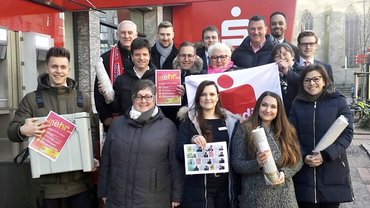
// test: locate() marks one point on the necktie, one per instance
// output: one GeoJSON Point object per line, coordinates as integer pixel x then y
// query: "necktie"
{"type": "Point", "coordinates": [306, 63]}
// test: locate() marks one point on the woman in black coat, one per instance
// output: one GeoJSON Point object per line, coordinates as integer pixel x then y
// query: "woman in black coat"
{"type": "Point", "coordinates": [324, 180]}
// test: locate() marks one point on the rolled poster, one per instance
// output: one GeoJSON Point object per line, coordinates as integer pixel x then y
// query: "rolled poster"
{"type": "Point", "coordinates": [332, 134]}
{"type": "Point", "coordinates": [269, 168]}
{"type": "Point", "coordinates": [104, 81]}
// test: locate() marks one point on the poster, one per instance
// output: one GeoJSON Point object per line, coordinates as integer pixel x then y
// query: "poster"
{"type": "Point", "coordinates": [166, 83]}
{"type": "Point", "coordinates": [51, 143]}
{"type": "Point", "coordinates": [212, 159]}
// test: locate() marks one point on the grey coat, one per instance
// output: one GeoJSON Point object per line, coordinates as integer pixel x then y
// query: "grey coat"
{"type": "Point", "coordinates": [255, 193]}
{"type": "Point", "coordinates": [139, 167]}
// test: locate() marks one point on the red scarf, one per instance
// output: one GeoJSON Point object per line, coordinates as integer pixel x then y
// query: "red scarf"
{"type": "Point", "coordinates": [116, 67]}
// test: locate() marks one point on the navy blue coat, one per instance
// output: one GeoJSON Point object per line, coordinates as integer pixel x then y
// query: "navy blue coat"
{"type": "Point", "coordinates": [244, 57]}
{"type": "Point", "coordinates": [329, 182]}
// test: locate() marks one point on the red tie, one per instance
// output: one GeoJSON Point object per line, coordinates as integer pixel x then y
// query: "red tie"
{"type": "Point", "coordinates": [306, 63]}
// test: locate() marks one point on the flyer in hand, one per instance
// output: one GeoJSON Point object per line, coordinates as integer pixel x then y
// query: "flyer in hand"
{"type": "Point", "coordinates": [51, 143]}
{"type": "Point", "coordinates": [212, 159]}
{"type": "Point", "coordinates": [166, 83]}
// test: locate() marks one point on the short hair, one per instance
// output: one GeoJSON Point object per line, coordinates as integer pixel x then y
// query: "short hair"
{"type": "Point", "coordinates": [185, 44]}
{"type": "Point", "coordinates": [164, 24]}
{"type": "Point", "coordinates": [257, 18]}
{"type": "Point", "coordinates": [221, 47]}
{"type": "Point", "coordinates": [57, 52]}
{"type": "Point", "coordinates": [306, 34]}
{"type": "Point", "coordinates": [127, 22]}
{"type": "Point", "coordinates": [277, 13]}
{"type": "Point", "coordinates": [278, 46]}
{"type": "Point", "coordinates": [210, 28]}
{"type": "Point", "coordinates": [139, 43]}
{"type": "Point", "coordinates": [143, 84]}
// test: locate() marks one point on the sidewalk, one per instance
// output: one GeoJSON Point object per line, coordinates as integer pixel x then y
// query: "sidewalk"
{"type": "Point", "coordinates": [359, 162]}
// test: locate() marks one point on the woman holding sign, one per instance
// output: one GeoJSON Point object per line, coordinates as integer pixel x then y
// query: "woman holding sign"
{"type": "Point", "coordinates": [324, 180]}
{"type": "Point", "coordinates": [257, 189]}
{"type": "Point", "coordinates": [206, 121]}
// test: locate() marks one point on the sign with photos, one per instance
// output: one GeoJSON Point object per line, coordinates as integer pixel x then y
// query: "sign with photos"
{"type": "Point", "coordinates": [212, 159]}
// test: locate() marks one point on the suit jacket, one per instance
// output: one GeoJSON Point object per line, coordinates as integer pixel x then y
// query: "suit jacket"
{"type": "Point", "coordinates": [328, 68]}
{"type": "Point", "coordinates": [201, 52]}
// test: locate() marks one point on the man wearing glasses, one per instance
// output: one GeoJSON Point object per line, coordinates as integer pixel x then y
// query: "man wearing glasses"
{"type": "Point", "coordinates": [307, 45]}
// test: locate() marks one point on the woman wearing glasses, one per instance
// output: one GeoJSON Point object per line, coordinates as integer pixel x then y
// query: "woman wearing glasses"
{"type": "Point", "coordinates": [324, 180]}
{"type": "Point", "coordinates": [220, 58]}
{"type": "Point", "coordinates": [139, 166]}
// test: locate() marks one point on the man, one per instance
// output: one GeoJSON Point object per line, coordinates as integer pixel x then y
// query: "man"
{"type": "Point", "coordinates": [57, 93]}
{"type": "Point", "coordinates": [115, 62]}
{"type": "Point", "coordinates": [307, 45]}
{"type": "Point", "coordinates": [164, 51]}
{"type": "Point", "coordinates": [278, 27]}
{"type": "Point", "coordinates": [210, 36]}
{"type": "Point", "coordinates": [255, 50]}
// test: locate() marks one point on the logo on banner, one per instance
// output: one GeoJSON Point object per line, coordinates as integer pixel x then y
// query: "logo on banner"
{"type": "Point", "coordinates": [234, 31]}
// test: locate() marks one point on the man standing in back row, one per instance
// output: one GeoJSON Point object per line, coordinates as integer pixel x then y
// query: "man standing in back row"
{"type": "Point", "coordinates": [164, 51]}
{"type": "Point", "coordinates": [210, 36]}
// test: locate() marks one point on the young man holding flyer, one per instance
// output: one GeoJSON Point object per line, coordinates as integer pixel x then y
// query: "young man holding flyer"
{"type": "Point", "coordinates": [55, 92]}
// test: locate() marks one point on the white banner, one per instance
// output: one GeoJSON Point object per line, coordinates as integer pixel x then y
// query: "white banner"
{"type": "Point", "coordinates": [239, 89]}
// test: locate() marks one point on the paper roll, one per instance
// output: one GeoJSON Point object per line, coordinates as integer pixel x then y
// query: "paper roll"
{"type": "Point", "coordinates": [269, 168]}
{"type": "Point", "coordinates": [332, 134]}
{"type": "Point", "coordinates": [104, 81]}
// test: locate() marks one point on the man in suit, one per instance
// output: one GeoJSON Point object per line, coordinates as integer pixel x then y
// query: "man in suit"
{"type": "Point", "coordinates": [278, 27]}
{"type": "Point", "coordinates": [210, 36]}
{"type": "Point", "coordinates": [307, 45]}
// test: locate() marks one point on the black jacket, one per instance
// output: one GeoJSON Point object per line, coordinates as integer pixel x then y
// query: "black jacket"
{"type": "Point", "coordinates": [155, 58]}
{"type": "Point", "coordinates": [329, 182]}
{"type": "Point", "coordinates": [201, 52]}
{"type": "Point", "coordinates": [244, 57]}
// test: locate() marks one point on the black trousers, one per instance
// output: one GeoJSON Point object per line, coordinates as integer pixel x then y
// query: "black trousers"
{"type": "Point", "coordinates": [319, 205]}
{"type": "Point", "coordinates": [82, 200]}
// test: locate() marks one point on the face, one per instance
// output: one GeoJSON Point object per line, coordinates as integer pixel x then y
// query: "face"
{"type": "Point", "coordinates": [209, 98]}
{"type": "Point", "coordinates": [307, 47]}
{"type": "Point", "coordinates": [210, 38]}
{"type": "Point", "coordinates": [257, 31]}
{"type": "Point", "coordinates": [186, 57]}
{"type": "Point", "coordinates": [144, 100]}
{"type": "Point", "coordinates": [278, 26]}
{"type": "Point", "coordinates": [219, 59]}
{"type": "Point", "coordinates": [313, 83]}
{"type": "Point", "coordinates": [283, 55]}
{"type": "Point", "coordinates": [268, 110]}
{"type": "Point", "coordinates": [141, 58]}
{"type": "Point", "coordinates": [58, 71]}
{"type": "Point", "coordinates": [126, 34]}
{"type": "Point", "coordinates": [165, 36]}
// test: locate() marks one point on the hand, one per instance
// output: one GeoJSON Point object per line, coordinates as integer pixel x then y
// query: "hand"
{"type": "Point", "coordinates": [314, 160]}
{"type": "Point", "coordinates": [33, 127]}
{"type": "Point", "coordinates": [283, 66]}
{"type": "Point", "coordinates": [100, 88]}
{"type": "Point", "coordinates": [108, 121]}
{"type": "Point", "coordinates": [281, 179]}
{"type": "Point", "coordinates": [175, 204]}
{"type": "Point", "coordinates": [180, 90]}
{"type": "Point", "coordinates": [262, 157]}
{"type": "Point", "coordinates": [199, 140]}
{"type": "Point", "coordinates": [96, 165]}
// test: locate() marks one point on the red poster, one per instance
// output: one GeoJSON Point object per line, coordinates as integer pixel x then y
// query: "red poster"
{"type": "Point", "coordinates": [56, 135]}
{"type": "Point", "coordinates": [166, 83]}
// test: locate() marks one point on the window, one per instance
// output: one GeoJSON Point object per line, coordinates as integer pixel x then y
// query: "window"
{"type": "Point", "coordinates": [103, 29]}
{"type": "Point", "coordinates": [352, 33]}
{"type": "Point", "coordinates": [306, 21]}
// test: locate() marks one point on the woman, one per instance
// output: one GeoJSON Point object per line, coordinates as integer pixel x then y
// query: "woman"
{"type": "Point", "coordinates": [205, 122]}
{"type": "Point", "coordinates": [283, 55]}
{"type": "Point", "coordinates": [246, 160]}
{"type": "Point", "coordinates": [324, 180]}
{"type": "Point", "coordinates": [220, 58]}
{"type": "Point", "coordinates": [139, 166]}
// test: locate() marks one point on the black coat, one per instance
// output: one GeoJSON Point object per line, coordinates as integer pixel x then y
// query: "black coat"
{"type": "Point", "coordinates": [244, 57]}
{"type": "Point", "coordinates": [290, 91]}
{"type": "Point", "coordinates": [327, 67]}
{"type": "Point", "coordinates": [155, 58]}
{"type": "Point", "coordinates": [201, 52]}
{"type": "Point", "coordinates": [330, 182]}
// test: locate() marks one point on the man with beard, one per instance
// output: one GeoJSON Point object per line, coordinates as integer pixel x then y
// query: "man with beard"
{"type": "Point", "coordinates": [256, 49]}
{"type": "Point", "coordinates": [164, 51]}
{"type": "Point", "coordinates": [278, 27]}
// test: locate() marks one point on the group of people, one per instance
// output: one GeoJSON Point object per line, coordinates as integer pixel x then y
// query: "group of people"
{"type": "Point", "coordinates": [142, 162]}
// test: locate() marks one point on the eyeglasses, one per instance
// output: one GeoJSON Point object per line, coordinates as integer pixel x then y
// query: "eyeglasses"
{"type": "Point", "coordinates": [183, 56]}
{"type": "Point", "coordinates": [147, 98]}
{"type": "Point", "coordinates": [222, 58]}
{"type": "Point", "coordinates": [314, 79]}
{"type": "Point", "coordinates": [312, 44]}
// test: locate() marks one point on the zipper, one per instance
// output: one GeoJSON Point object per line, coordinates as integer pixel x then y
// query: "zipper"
{"type": "Point", "coordinates": [314, 145]}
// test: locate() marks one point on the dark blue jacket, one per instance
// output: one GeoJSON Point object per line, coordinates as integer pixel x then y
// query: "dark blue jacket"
{"type": "Point", "coordinates": [329, 182]}
{"type": "Point", "coordinates": [244, 57]}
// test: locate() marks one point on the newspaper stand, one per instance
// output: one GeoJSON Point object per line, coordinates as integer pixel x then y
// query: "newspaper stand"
{"type": "Point", "coordinates": [77, 153]}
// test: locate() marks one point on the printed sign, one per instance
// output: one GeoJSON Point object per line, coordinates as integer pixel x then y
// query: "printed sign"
{"type": "Point", "coordinates": [166, 83]}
